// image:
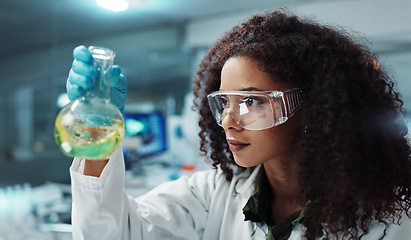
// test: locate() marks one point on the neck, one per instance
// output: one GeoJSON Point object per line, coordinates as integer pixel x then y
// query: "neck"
{"type": "Point", "coordinates": [287, 197]}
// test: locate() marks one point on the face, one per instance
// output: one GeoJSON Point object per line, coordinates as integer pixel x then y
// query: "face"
{"type": "Point", "coordinates": [253, 147]}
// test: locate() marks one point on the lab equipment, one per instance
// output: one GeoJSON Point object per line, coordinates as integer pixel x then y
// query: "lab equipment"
{"type": "Point", "coordinates": [150, 129]}
{"type": "Point", "coordinates": [26, 212]}
{"type": "Point", "coordinates": [91, 126]}
{"type": "Point", "coordinates": [82, 73]}
{"type": "Point", "coordinates": [255, 110]}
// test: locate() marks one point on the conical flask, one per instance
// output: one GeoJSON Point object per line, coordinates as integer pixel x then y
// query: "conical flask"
{"type": "Point", "coordinates": [91, 126]}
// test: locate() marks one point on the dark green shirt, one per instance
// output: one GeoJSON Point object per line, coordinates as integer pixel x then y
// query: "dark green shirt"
{"type": "Point", "coordinates": [258, 209]}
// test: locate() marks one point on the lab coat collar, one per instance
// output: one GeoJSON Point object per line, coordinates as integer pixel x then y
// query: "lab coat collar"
{"type": "Point", "coordinates": [246, 181]}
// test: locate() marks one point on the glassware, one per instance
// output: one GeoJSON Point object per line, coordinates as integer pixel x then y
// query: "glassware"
{"type": "Point", "coordinates": [91, 126]}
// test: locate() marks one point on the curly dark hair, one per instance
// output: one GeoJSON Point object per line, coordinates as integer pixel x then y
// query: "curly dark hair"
{"type": "Point", "coordinates": [353, 157]}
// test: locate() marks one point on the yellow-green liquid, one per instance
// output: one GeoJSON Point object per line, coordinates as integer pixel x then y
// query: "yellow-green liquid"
{"type": "Point", "coordinates": [77, 140]}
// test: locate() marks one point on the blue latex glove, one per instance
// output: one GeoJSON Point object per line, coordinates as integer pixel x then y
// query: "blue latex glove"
{"type": "Point", "coordinates": [82, 73]}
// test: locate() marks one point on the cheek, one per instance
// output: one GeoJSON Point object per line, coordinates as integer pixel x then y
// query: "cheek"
{"type": "Point", "coordinates": [272, 144]}
{"type": "Point", "coordinates": [269, 144]}
{"type": "Point", "coordinates": [275, 141]}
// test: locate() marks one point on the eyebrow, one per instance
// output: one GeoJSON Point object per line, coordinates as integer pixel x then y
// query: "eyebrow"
{"type": "Point", "coordinates": [248, 89]}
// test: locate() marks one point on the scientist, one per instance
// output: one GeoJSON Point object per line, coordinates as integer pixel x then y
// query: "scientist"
{"type": "Point", "coordinates": [305, 134]}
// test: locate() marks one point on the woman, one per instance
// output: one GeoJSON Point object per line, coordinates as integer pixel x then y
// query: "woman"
{"type": "Point", "coordinates": [309, 143]}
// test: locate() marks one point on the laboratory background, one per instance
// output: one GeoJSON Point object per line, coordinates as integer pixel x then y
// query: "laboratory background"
{"type": "Point", "coordinates": [158, 44]}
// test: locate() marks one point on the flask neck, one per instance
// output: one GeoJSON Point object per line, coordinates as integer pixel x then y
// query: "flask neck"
{"type": "Point", "coordinates": [103, 59]}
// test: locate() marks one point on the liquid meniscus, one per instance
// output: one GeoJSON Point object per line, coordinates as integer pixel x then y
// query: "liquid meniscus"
{"type": "Point", "coordinates": [79, 139]}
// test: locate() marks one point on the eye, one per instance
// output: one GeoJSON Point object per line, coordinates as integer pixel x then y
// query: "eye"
{"type": "Point", "coordinates": [224, 102]}
{"type": "Point", "coordinates": [252, 101]}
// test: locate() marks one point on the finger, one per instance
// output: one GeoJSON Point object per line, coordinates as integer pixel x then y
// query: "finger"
{"type": "Point", "coordinates": [79, 80]}
{"type": "Point", "coordinates": [117, 99]}
{"type": "Point", "coordinates": [83, 69]}
{"type": "Point", "coordinates": [117, 80]}
{"type": "Point", "coordinates": [81, 53]}
{"type": "Point", "coordinates": [74, 91]}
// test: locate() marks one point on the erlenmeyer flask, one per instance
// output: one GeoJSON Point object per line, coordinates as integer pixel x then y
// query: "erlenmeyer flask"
{"type": "Point", "coordinates": [91, 126]}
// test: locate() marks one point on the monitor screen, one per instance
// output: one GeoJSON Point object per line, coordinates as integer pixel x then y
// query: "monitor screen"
{"type": "Point", "coordinates": [145, 134]}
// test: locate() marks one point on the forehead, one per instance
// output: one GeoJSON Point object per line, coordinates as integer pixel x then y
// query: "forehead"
{"type": "Point", "coordinates": [239, 73]}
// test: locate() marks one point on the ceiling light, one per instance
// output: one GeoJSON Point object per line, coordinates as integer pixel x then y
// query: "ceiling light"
{"type": "Point", "coordinates": [113, 5]}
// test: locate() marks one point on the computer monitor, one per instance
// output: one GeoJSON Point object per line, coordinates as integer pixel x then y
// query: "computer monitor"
{"type": "Point", "coordinates": [145, 131]}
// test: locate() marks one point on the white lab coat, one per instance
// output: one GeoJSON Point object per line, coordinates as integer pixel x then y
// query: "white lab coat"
{"type": "Point", "coordinates": [203, 206]}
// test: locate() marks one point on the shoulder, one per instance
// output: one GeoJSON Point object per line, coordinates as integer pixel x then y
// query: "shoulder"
{"type": "Point", "coordinates": [205, 186]}
{"type": "Point", "coordinates": [213, 181]}
{"type": "Point", "coordinates": [217, 178]}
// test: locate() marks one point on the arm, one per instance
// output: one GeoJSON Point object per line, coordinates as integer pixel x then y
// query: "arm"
{"type": "Point", "coordinates": [94, 167]}
{"type": "Point", "coordinates": [102, 209]}
{"type": "Point", "coordinates": [99, 207]}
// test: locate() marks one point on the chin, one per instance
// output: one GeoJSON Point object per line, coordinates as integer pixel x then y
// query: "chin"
{"type": "Point", "coordinates": [245, 163]}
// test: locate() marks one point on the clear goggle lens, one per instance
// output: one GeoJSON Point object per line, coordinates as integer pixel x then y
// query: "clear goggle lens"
{"type": "Point", "coordinates": [255, 110]}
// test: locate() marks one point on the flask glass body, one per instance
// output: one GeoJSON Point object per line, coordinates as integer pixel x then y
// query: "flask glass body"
{"type": "Point", "coordinates": [91, 126]}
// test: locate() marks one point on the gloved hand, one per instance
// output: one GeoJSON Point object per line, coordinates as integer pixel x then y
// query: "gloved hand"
{"type": "Point", "coordinates": [82, 73]}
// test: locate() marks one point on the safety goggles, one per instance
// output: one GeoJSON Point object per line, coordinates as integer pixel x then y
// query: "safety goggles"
{"type": "Point", "coordinates": [255, 110]}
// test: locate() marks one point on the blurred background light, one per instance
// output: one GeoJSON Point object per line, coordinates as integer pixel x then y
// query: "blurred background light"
{"type": "Point", "coordinates": [134, 127]}
{"type": "Point", "coordinates": [62, 100]}
{"type": "Point", "coordinates": [113, 5]}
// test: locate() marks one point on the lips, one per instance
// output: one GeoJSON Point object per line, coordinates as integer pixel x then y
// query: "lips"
{"type": "Point", "coordinates": [236, 146]}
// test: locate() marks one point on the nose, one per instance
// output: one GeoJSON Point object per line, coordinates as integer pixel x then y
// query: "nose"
{"type": "Point", "coordinates": [230, 120]}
